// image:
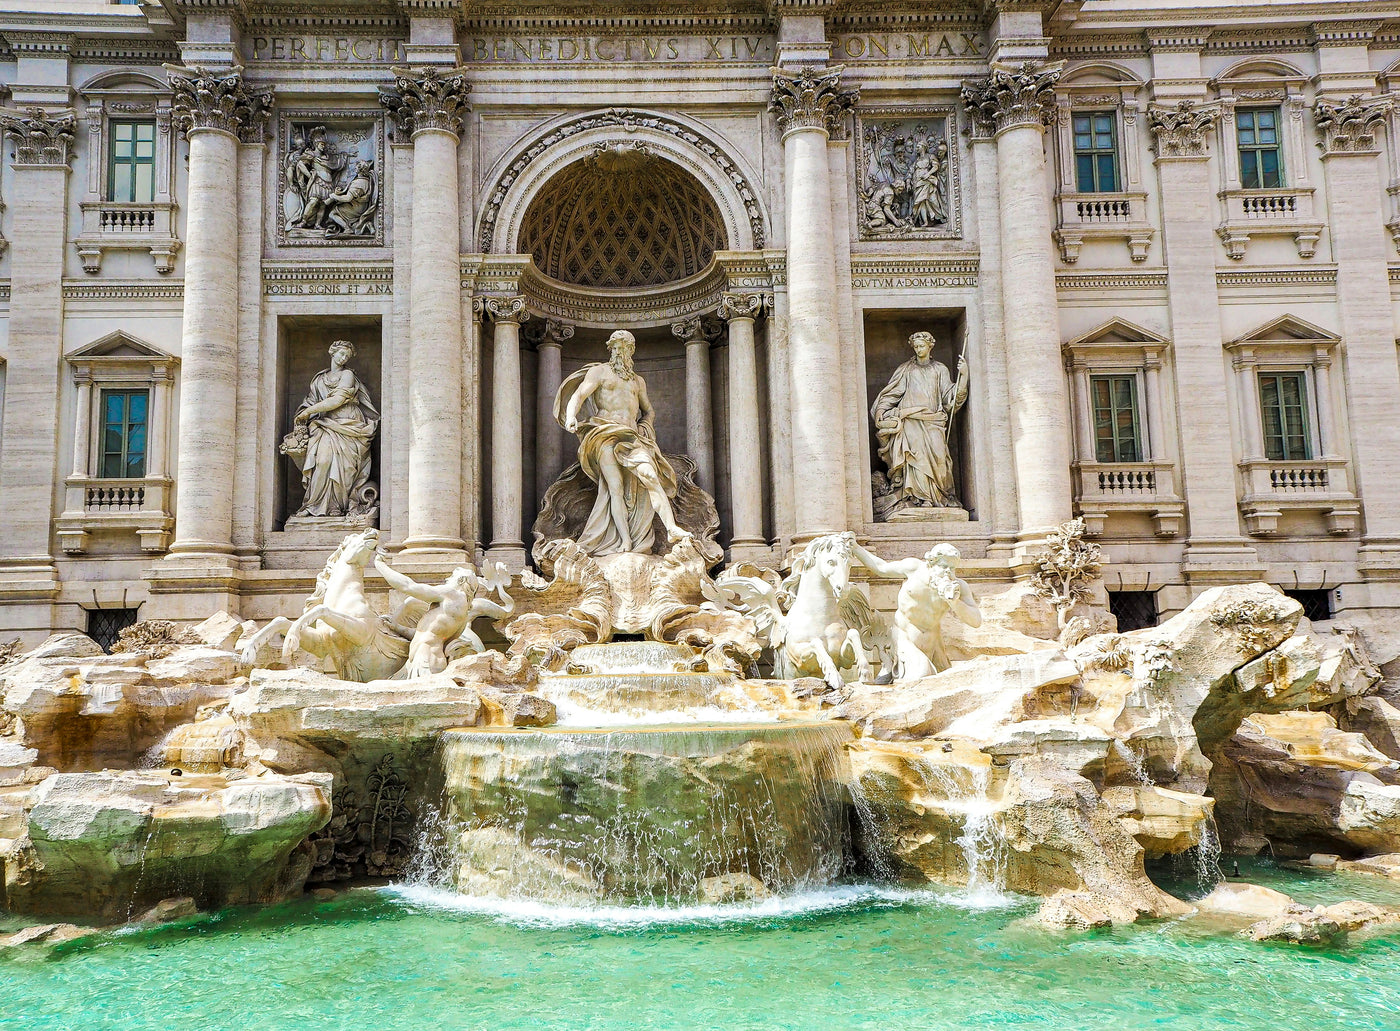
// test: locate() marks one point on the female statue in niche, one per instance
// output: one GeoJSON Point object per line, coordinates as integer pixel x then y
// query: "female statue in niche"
{"type": "Point", "coordinates": [913, 415]}
{"type": "Point", "coordinates": [330, 442]}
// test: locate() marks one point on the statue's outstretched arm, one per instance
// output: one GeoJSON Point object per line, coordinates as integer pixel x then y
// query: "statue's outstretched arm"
{"type": "Point", "coordinates": [964, 606]}
{"type": "Point", "coordinates": [423, 592]}
{"type": "Point", "coordinates": [876, 564]}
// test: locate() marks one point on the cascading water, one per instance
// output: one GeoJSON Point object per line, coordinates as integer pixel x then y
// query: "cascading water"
{"type": "Point", "coordinates": [982, 846]}
{"type": "Point", "coordinates": [656, 808]}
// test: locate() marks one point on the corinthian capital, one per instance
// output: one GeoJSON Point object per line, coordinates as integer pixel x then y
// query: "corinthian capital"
{"type": "Point", "coordinates": [740, 306]}
{"type": "Point", "coordinates": [222, 101]}
{"type": "Point", "coordinates": [1006, 98]}
{"type": "Point", "coordinates": [1180, 131]}
{"type": "Point", "coordinates": [810, 99]}
{"type": "Point", "coordinates": [427, 101]}
{"type": "Point", "coordinates": [505, 309]}
{"type": "Point", "coordinates": [1349, 127]}
{"type": "Point", "coordinates": [39, 138]}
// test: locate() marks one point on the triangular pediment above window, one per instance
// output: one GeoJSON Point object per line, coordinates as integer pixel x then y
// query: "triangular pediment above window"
{"type": "Point", "coordinates": [1287, 329]}
{"type": "Point", "coordinates": [120, 345]}
{"type": "Point", "coordinates": [1118, 331]}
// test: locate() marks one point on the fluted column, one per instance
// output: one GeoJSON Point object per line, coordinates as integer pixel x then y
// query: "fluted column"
{"type": "Point", "coordinates": [1360, 247]}
{"type": "Point", "coordinates": [213, 111]}
{"type": "Point", "coordinates": [1013, 106]}
{"type": "Point", "coordinates": [549, 375]}
{"type": "Point", "coordinates": [745, 471]}
{"type": "Point", "coordinates": [428, 108]}
{"type": "Point", "coordinates": [699, 419]}
{"type": "Point", "coordinates": [808, 104]}
{"type": "Point", "coordinates": [507, 429]}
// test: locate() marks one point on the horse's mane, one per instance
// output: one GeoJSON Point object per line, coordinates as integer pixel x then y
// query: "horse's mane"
{"type": "Point", "coordinates": [815, 549]}
{"type": "Point", "coordinates": [323, 578]}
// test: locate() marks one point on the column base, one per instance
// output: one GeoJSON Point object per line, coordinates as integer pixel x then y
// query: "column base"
{"type": "Point", "coordinates": [193, 587]}
{"type": "Point", "coordinates": [511, 554]}
{"type": "Point", "coordinates": [1211, 561]}
{"type": "Point", "coordinates": [30, 578]}
{"type": "Point", "coordinates": [428, 544]}
{"type": "Point", "coordinates": [750, 549]}
{"type": "Point", "coordinates": [1379, 559]}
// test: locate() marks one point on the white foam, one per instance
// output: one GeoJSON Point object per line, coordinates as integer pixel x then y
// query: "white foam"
{"type": "Point", "coordinates": [572, 714]}
{"type": "Point", "coordinates": [536, 913]}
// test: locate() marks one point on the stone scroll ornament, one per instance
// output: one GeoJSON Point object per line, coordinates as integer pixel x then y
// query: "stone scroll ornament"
{"type": "Point", "coordinates": [221, 102]}
{"type": "Point", "coordinates": [40, 138]}
{"type": "Point", "coordinates": [426, 102]}
{"type": "Point", "coordinates": [811, 99]}
{"type": "Point", "coordinates": [904, 189]}
{"type": "Point", "coordinates": [330, 185]}
{"type": "Point", "coordinates": [1010, 97]}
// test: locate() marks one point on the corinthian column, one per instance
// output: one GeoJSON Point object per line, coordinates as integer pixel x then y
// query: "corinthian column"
{"type": "Point", "coordinates": [549, 375]}
{"type": "Point", "coordinates": [429, 110]}
{"type": "Point", "coordinates": [1012, 107]}
{"type": "Point", "coordinates": [808, 105]}
{"type": "Point", "coordinates": [214, 111]}
{"type": "Point", "coordinates": [507, 428]}
{"type": "Point", "coordinates": [745, 472]}
{"type": "Point", "coordinates": [699, 420]}
{"type": "Point", "coordinates": [1361, 251]}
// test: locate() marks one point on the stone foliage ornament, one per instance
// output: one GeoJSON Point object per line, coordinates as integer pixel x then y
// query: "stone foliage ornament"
{"type": "Point", "coordinates": [218, 101]}
{"type": "Point", "coordinates": [426, 102]}
{"type": "Point", "coordinates": [369, 834]}
{"type": "Point", "coordinates": [329, 183]}
{"type": "Point", "coordinates": [913, 417]}
{"type": "Point", "coordinates": [906, 187]}
{"type": "Point", "coordinates": [1181, 131]}
{"type": "Point", "coordinates": [1010, 97]}
{"type": "Point", "coordinates": [811, 99]}
{"type": "Point", "coordinates": [1349, 127]}
{"type": "Point", "coordinates": [330, 444]}
{"type": "Point", "coordinates": [40, 138]}
{"type": "Point", "coordinates": [1066, 569]}
{"type": "Point", "coordinates": [931, 589]}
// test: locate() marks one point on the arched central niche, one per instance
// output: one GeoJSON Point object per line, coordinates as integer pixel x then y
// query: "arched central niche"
{"type": "Point", "coordinates": [622, 218]}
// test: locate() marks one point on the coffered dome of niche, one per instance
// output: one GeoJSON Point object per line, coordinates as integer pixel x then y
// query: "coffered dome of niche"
{"type": "Point", "coordinates": [622, 219]}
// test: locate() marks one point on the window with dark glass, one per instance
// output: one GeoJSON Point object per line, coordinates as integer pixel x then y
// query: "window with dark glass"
{"type": "Point", "coordinates": [106, 625]}
{"type": "Point", "coordinates": [123, 434]}
{"type": "Point", "coordinates": [1261, 167]}
{"type": "Point", "coordinates": [1095, 152]}
{"type": "Point", "coordinates": [1135, 610]}
{"type": "Point", "coordinates": [132, 169]}
{"type": "Point", "coordinates": [1117, 437]}
{"type": "Point", "coordinates": [1283, 403]}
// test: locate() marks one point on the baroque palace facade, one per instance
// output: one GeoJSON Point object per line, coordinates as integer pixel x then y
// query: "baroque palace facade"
{"type": "Point", "coordinates": [1155, 243]}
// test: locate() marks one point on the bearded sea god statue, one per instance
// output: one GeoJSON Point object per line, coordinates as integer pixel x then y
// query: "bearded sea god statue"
{"type": "Point", "coordinates": [606, 405]}
{"type": "Point", "coordinates": [930, 590]}
{"type": "Point", "coordinates": [330, 443]}
{"type": "Point", "coordinates": [913, 416]}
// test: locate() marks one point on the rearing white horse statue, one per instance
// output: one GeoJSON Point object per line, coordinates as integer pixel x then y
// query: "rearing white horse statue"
{"type": "Point", "coordinates": [821, 633]}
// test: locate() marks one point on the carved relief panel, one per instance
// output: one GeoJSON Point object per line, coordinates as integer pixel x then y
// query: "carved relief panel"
{"type": "Point", "coordinates": [330, 178]}
{"type": "Point", "coordinates": [907, 185]}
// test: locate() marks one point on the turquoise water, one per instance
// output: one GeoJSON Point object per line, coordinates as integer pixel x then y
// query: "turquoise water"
{"type": "Point", "coordinates": [852, 957]}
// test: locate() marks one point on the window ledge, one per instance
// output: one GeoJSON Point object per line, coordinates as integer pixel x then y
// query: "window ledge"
{"type": "Point", "coordinates": [1106, 488]}
{"type": "Point", "coordinates": [1103, 216]}
{"type": "Point", "coordinates": [1280, 212]}
{"type": "Point", "coordinates": [1317, 485]}
{"type": "Point", "coordinates": [95, 505]}
{"type": "Point", "coordinates": [118, 225]}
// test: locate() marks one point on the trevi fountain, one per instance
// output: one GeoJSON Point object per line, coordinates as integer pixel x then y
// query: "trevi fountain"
{"type": "Point", "coordinates": [640, 788]}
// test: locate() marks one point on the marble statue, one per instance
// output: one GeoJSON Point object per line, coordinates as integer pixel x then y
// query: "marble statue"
{"type": "Point", "coordinates": [913, 415]}
{"type": "Point", "coordinates": [443, 616]}
{"type": "Point", "coordinates": [330, 442]}
{"type": "Point", "coordinates": [351, 209]}
{"type": "Point", "coordinates": [904, 189]}
{"type": "Point", "coordinates": [606, 404]}
{"type": "Point", "coordinates": [931, 590]}
{"type": "Point", "coordinates": [329, 187]}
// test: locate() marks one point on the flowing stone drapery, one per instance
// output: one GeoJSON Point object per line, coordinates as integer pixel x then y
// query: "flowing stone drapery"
{"type": "Point", "coordinates": [214, 111]}
{"type": "Point", "coordinates": [43, 143]}
{"type": "Point", "coordinates": [1012, 105]}
{"type": "Point", "coordinates": [1361, 250]}
{"type": "Point", "coordinates": [549, 374]}
{"type": "Point", "coordinates": [699, 420]}
{"type": "Point", "coordinates": [808, 104]}
{"type": "Point", "coordinates": [745, 473]}
{"type": "Point", "coordinates": [428, 108]}
{"type": "Point", "coordinates": [507, 429]}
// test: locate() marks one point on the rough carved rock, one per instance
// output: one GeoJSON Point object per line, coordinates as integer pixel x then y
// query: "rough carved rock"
{"type": "Point", "coordinates": [116, 843]}
{"type": "Point", "coordinates": [156, 638]}
{"type": "Point", "coordinates": [1163, 822]}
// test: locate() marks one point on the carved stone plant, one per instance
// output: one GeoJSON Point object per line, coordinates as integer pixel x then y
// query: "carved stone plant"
{"type": "Point", "coordinates": [1066, 569]}
{"type": "Point", "coordinates": [369, 835]}
{"type": "Point", "coordinates": [154, 637]}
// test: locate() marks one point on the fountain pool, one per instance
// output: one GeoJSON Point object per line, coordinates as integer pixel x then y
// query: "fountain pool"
{"type": "Point", "coordinates": [843, 957]}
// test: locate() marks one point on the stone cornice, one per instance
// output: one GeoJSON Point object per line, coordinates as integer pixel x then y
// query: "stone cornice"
{"type": "Point", "coordinates": [41, 138]}
{"type": "Point", "coordinates": [220, 102]}
{"type": "Point", "coordinates": [870, 273]}
{"type": "Point", "coordinates": [1180, 131]}
{"type": "Point", "coordinates": [1349, 126]}
{"type": "Point", "coordinates": [810, 99]}
{"type": "Point", "coordinates": [427, 101]}
{"type": "Point", "coordinates": [1344, 33]}
{"type": "Point", "coordinates": [1011, 97]}
{"type": "Point", "coordinates": [25, 41]}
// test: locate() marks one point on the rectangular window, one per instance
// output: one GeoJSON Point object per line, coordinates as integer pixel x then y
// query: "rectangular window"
{"type": "Point", "coordinates": [123, 434]}
{"type": "Point", "coordinates": [1261, 167]}
{"type": "Point", "coordinates": [106, 625]}
{"type": "Point", "coordinates": [1135, 610]}
{"type": "Point", "coordinates": [131, 175]}
{"type": "Point", "coordinates": [1283, 403]}
{"type": "Point", "coordinates": [1116, 434]}
{"type": "Point", "coordinates": [1317, 605]}
{"type": "Point", "coordinates": [1095, 152]}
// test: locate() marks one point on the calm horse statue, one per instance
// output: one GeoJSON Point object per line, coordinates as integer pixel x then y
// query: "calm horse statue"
{"type": "Point", "coordinates": [821, 633]}
{"type": "Point", "coordinates": [337, 624]}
